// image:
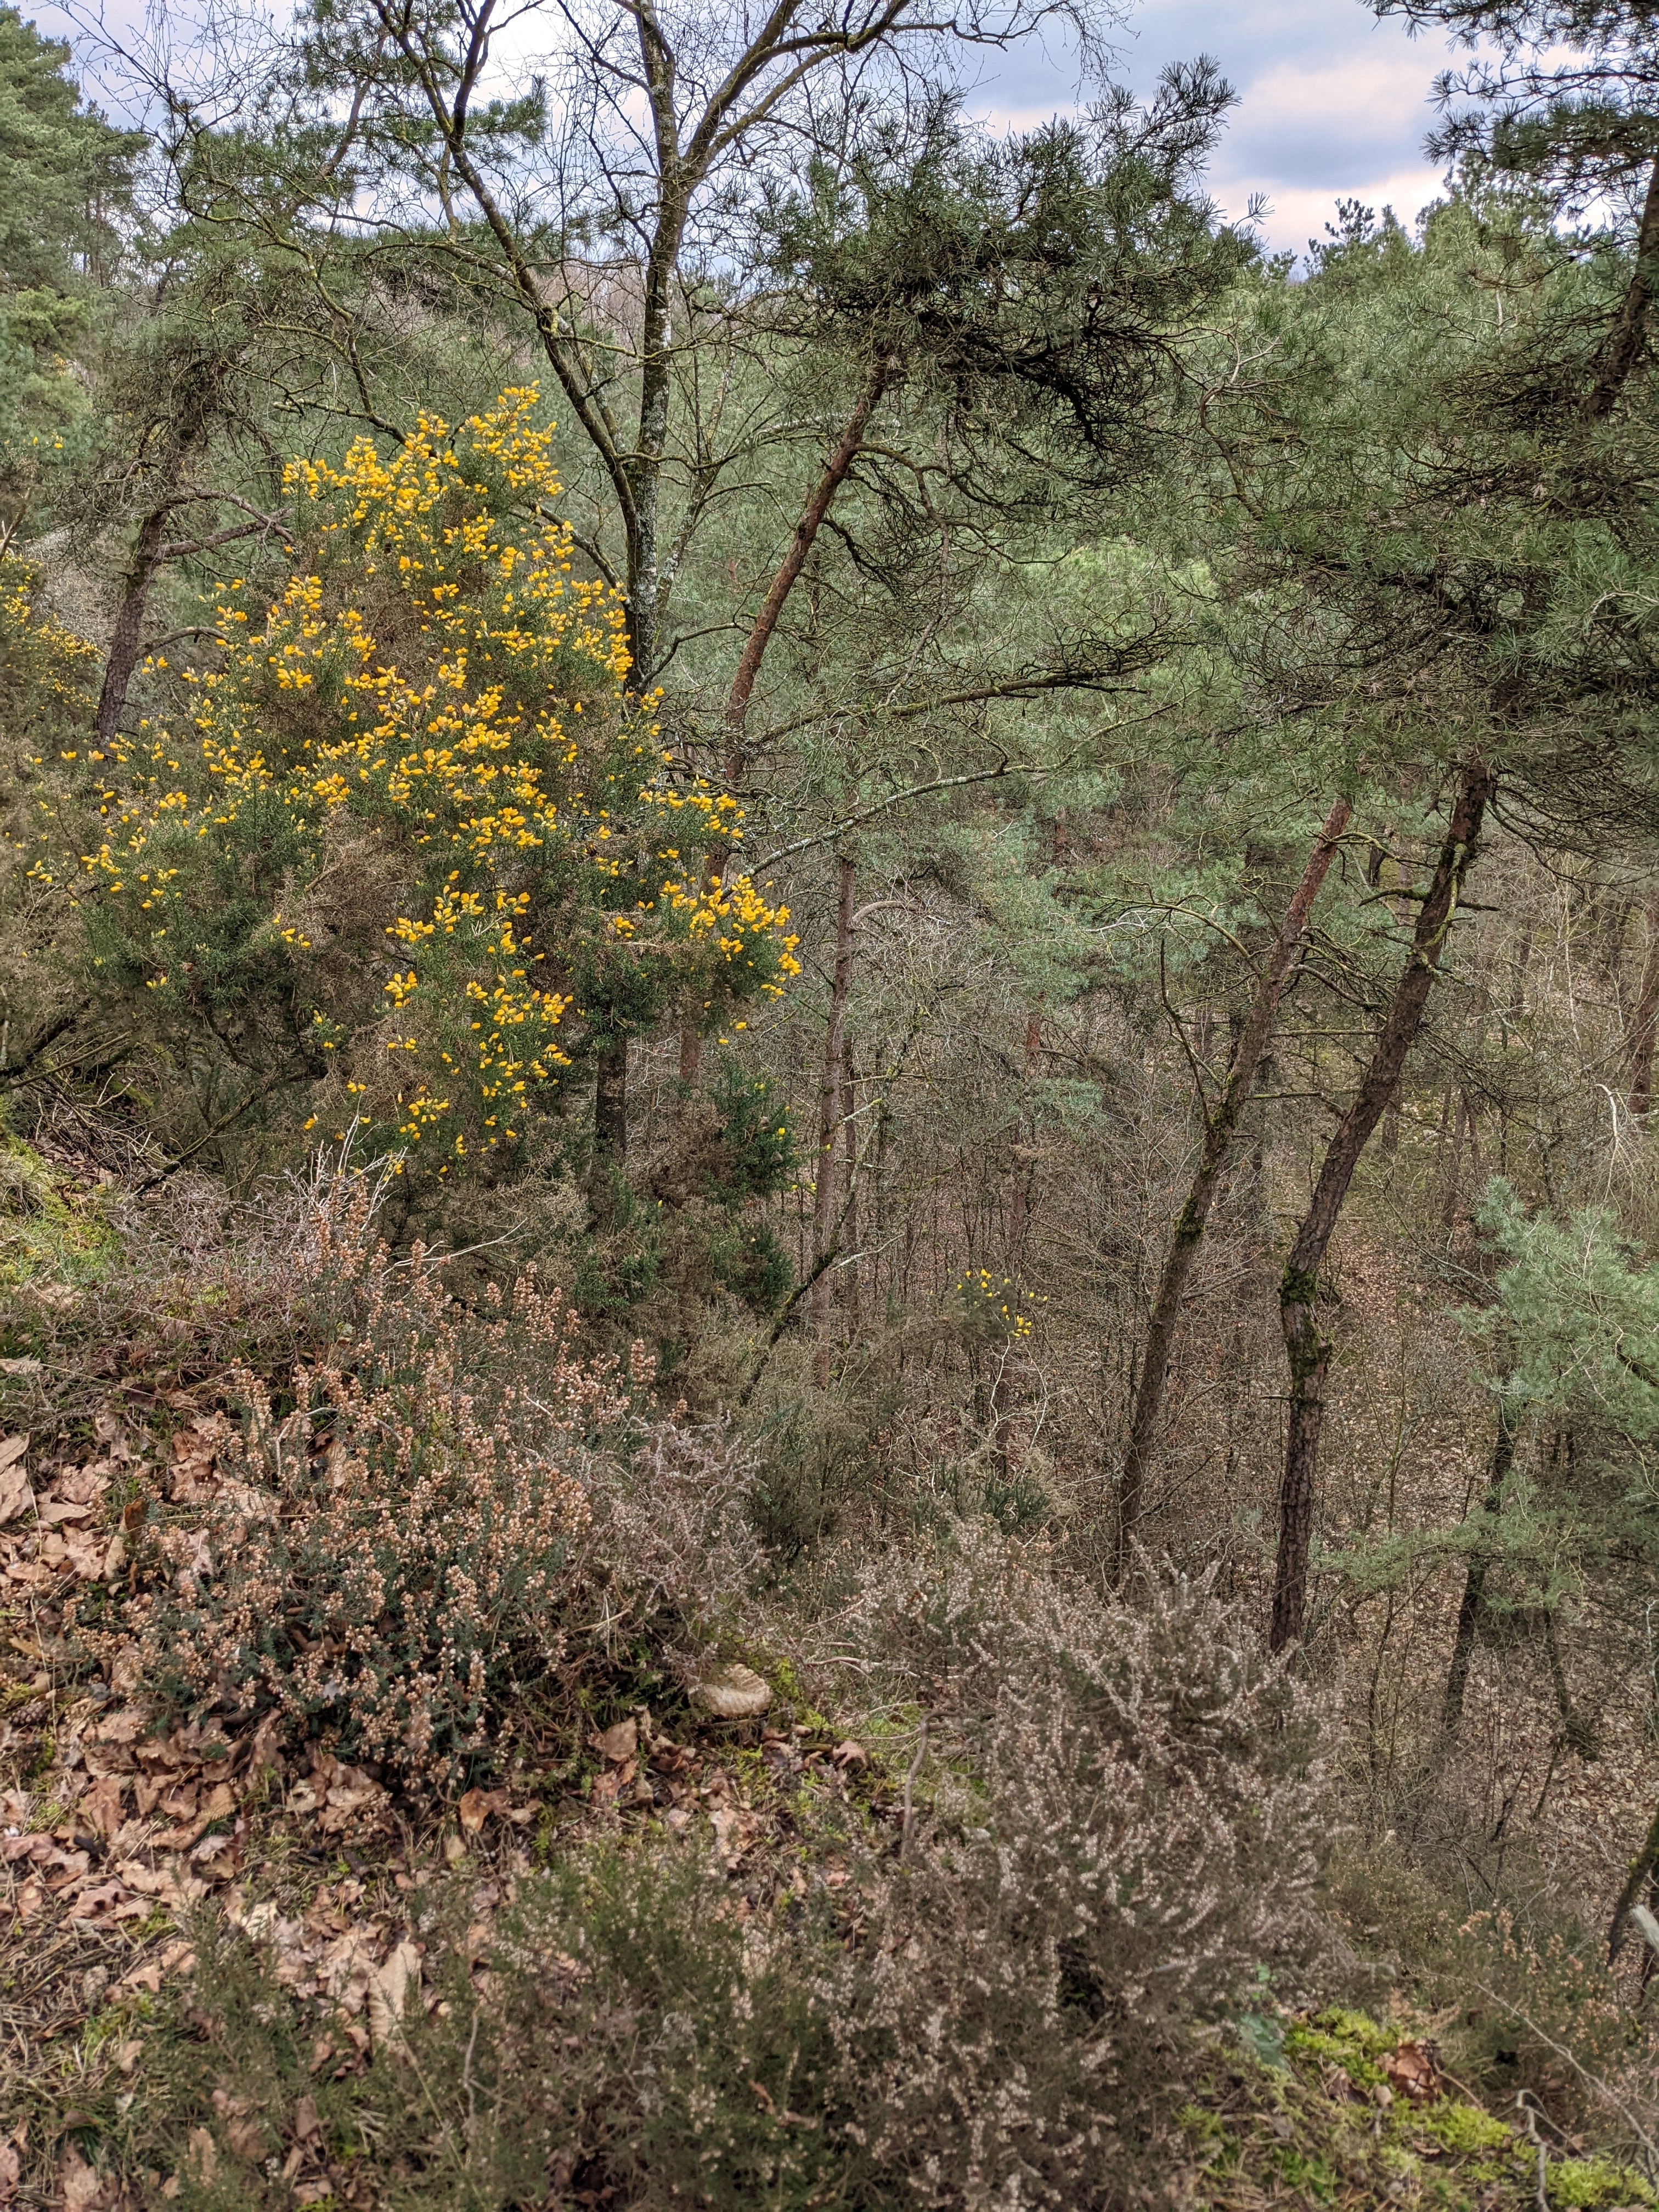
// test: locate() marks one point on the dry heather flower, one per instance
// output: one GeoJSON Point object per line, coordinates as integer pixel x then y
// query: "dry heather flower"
{"type": "Point", "coordinates": [1135, 1835]}
{"type": "Point", "coordinates": [378, 1557]}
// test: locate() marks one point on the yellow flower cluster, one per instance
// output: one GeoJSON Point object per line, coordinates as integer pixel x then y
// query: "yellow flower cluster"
{"type": "Point", "coordinates": [38, 646]}
{"type": "Point", "coordinates": [437, 682]}
{"type": "Point", "coordinates": [981, 1291]}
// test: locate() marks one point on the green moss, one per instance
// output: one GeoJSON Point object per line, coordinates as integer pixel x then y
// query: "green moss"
{"type": "Point", "coordinates": [1465, 2128]}
{"type": "Point", "coordinates": [1347, 2039]}
{"type": "Point", "coordinates": [1588, 2183]}
{"type": "Point", "coordinates": [42, 1234]}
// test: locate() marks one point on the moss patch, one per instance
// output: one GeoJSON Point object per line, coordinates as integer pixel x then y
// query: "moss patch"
{"type": "Point", "coordinates": [44, 1234]}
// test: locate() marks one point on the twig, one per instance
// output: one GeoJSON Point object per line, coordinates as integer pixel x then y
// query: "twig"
{"type": "Point", "coordinates": [1524, 2105]}
{"type": "Point", "coordinates": [1650, 2150]}
{"type": "Point", "coordinates": [911, 1773]}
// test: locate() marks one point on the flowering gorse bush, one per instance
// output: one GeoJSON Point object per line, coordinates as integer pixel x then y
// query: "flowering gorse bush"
{"type": "Point", "coordinates": [379, 1563]}
{"type": "Point", "coordinates": [407, 831]}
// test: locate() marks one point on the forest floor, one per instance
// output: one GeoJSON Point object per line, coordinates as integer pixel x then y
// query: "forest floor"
{"type": "Point", "coordinates": [221, 1957]}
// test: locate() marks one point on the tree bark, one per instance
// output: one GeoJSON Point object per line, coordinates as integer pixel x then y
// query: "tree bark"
{"type": "Point", "coordinates": [125, 646]}
{"type": "Point", "coordinates": [1474, 1581]}
{"type": "Point", "coordinates": [829, 1117]}
{"type": "Point", "coordinates": [783, 582]}
{"type": "Point", "coordinates": [1308, 1351]}
{"type": "Point", "coordinates": [1623, 347]}
{"type": "Point", "coordinates": [611, 1112]}
{"type": "Point", "coordinates": [1644, 1868]}
{"type": "Point", "coordinates": [1220, 1127]}
{"type": "Point", "coordinates": [1644, 1025]}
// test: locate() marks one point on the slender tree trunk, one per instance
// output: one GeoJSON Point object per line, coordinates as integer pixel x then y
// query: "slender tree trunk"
{"type": "Point", "coordinates": [829, 1116]}
{"type": "Point", "coordinates": [1644, 1027]}
{"type": "Point", "coordinates": [1308, 1352]}
{"type": "Point", "coordinates": [765, 624]}
{"type": "Point", "coordinates": [783, 582]}
{"type": "Point", "coordinates": [1220, 1127]}
{"type": "Point", "coordinates": [125, 645]}
{"type": "Point", "coordinates": [1644, 1870]}
{"type": "Point", "coordinates": [850, 1233]}
{"type": "Point", "coordinates": [610, 1121]}
{"type": "Point", "coordinates": [1623, 347]}
{"type": "Point", "coordinates": [1474, 1581]}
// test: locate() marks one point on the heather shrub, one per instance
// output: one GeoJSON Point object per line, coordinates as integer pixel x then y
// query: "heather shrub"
{"type": "Point", "coordinates": [382, 1543]}
{"type": "Point", "coordinates": [627, 2035]}
{"type": "Point", "coordinates": [1125, 1809]}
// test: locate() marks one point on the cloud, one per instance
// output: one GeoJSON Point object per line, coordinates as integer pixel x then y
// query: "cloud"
{"type": "Point", "coordinates": [1332, 103]}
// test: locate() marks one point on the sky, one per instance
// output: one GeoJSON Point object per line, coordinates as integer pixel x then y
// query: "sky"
{"type": "Point", "coordinates": [1332, 103]}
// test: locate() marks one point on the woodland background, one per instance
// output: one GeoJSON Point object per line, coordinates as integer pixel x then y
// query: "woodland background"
{"type": "Point", "coordinates": [827, 1019]}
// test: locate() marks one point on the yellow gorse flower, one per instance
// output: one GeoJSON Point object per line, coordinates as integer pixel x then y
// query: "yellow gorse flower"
{"type": "Point", "coordinates": [422, 682]}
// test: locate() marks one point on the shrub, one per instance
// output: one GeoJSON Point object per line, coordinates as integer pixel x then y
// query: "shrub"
{"type": "Point", "coordinates": [1128, 1809]}
{"type": "Point", "coordinates": [381, 1550]}
{"type": "Point", "coordinates": [405, 839]}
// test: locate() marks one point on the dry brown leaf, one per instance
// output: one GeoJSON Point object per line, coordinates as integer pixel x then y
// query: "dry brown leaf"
{"type": "Point", "coordinates": [12, 1448]}
{"type": "Point", "coordinates": [617, 1743]}
{"type": "Point", "coordinates": [388, 1991]}
{"type": "Point", "coordinates": [1413, 2072]}
{"type": "Point", "coordinates": [731, 1693]}
{"type": "Point", "coordinates": [16, 1496]}
{"type": "Point", "coordinates": [101, 1806]}
{"type": "Point", "coordinates": [80, 2188]}
{"type": "Point", "coordinates": [11, 2171]}
{"type": "Point", "coordinates": [478, 1805]}
{"type": "Point", "coordinates": [306, 2122]}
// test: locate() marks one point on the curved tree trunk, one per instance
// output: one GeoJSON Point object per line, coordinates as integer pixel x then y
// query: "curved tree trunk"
{"type": "Point", "coordinates": [1308, 1351]}
{"type": "Point", "coordinates": [1219, 1130]}
{"type": "Point", "coordinates": [765, 624]}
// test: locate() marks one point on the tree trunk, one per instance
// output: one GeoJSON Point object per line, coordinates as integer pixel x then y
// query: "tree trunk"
{"type": "Point", "coordinates": [1306, 1349]}
{"type": "Point", "coordinates": [1623, 347]}
{"type": "Point", "coordinates": [1474, 1581]}
{"type": "Point", "coordinates": [125, 648]}
{"type": "Point", "coordinates": [1645, 1024]}
{"type": "Point", "coordinates": [1218, 1132]}
{"type": "Point", "coordinates": [1644, 1868]}
{"type": "Point", "coordinates": [610, 1120]}
{"type": "Point", "coordinates": [829, 1117]}
{"type": "Point", "coordinates": [812, 514]}
{"type": "Point", "coordinates": [850, 1232]}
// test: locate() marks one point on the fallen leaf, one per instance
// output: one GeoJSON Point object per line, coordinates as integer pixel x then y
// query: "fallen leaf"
{"type": "Point", "coordinates": [388, 1988]}
{"type": "Point", "coordinates": [731, 1693]}
{"type": "Point", "coordinates": [20, 1367]}
{"type": "Point", "coordinates": [12, 1448]}
{"type": "Point", "coordinates": [478, 1806]}
{"type": "Point", "coordinates": [101, 1807]}
{"type": "Point", "coordinates": [617, 1743]}
{"type": "Point", "coordinates": [79, 2187]}
{"type": "Point", "coordinates": [850, 1755]}
{"type": "Point", "coordinates": [1412, 2071]}
{"type": "Point", "coordinates": [306, 2122]}
{"type": "Point", "coordinates": [16, 1496]}
{"type": "Point", "coordinates": [11, 2171]}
